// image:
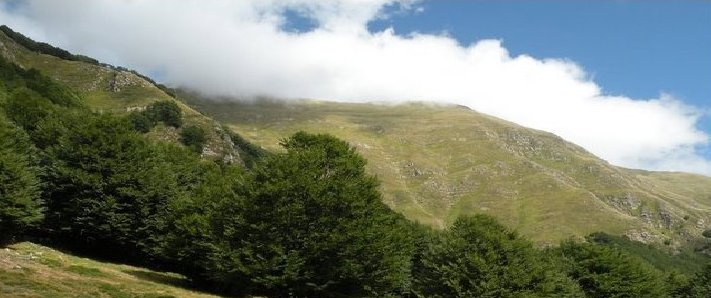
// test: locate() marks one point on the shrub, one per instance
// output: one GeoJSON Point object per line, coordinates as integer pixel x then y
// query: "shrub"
{"type": "Point", "coordinates": [707, 233]}
{"type": "Point", "coordinates": [141, 123]}
{"type": "Point", "coordinates": [193, 137]}
{"type": "Point", "coordinates": [166, 111]}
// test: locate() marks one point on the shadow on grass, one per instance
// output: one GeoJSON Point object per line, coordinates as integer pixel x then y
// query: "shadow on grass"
{"type": "Point", "coordinates": [162, 278]}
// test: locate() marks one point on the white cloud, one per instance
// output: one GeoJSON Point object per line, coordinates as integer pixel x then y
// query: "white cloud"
{"type": "Point", "coordinates": [240, 48]}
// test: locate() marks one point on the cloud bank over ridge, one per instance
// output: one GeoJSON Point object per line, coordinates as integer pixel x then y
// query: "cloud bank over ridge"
{"type": "Point", "coordinates": [246, 48]}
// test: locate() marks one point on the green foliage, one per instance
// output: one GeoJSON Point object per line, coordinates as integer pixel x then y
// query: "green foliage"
{"type": "Point", "coordinates": [105, 185]}
{"type": "Point", "coordinates": [686, 260]}
{"type": "Point", "coordinates": [26, 108]}
{"type": "Point", "coordinates": [20, 205]}
{"type": "Point", "coordinates": [605, 271]}
{"type": "Point", "coordinates": [305, 222]}
{"type": "Point", "coordinates": [193, 137]}
{"type": "Point", "coordinates": [248, 152]}
{"type": "Point", "coordinates": [141, 123]}
{"type": "Point", "coordinates": [477, 257]}
{"type": "Point", "coordinates": [166, 111]}
{"type": "Point", "coordinates": [313, 225]}
{"type": "Point", "coordinates": [14, 77]}
{"type": "Point", "coordinates": [189, 237]}
{"type": "Point", "coordinates": [700, 285]}
{"type": "Point", "coordinates": [707, 233]}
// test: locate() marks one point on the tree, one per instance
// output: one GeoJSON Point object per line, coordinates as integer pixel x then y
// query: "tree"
{"type": "Point", "coordinates": [193, 137]}
{"type": "Point", "coordinates": [166, 111]}
{"type": "Point", "coordinates": [141, 123]}
{"type": "Point", "coordinates": [605, 271]}
{"type": "Point", "coordinates": [312, 225]}
{"type": "Point", "coordinates": [20, 206]}
{"type": "Point", "coordinates": [477, 257]}
{"type": "Point", "coordinates": [189, 236]}
{"type": "Point", "coordinates": [105, 186]}
{"type": "Point", "coordinates": [26, 108]}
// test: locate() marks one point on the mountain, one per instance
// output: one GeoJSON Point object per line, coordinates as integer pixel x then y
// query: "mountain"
{"type": "Point", "coordinates": [110, 89]}
{"type": "Point", "coordinates": [87, 172]}
{"type": "Point", "coordinates": [437, 162]}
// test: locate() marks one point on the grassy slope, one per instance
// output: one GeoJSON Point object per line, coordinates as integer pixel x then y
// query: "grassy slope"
{"type": "Point", "coordinates": [437, 162]}
{"type": "Point", "coordinates": [109, 90]}
{"type": "Point", "coordinates": [31, 270]}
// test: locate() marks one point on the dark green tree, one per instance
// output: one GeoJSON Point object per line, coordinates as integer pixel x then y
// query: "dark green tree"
{"type": "Point", "coordinates": [27, 108]}
{"type": "Point", "coordinates": [707, 233]}
{"type": "Point", "coordinates": [700, 285]}
{"type": "Point", "coordinates": [141, 123]}
{"type": "Point", "coordinates": [20, 205]}
{"type": "Point", "coordinates": [189, 237]}
{"type": "Point", "coordinates": [313, 225]}
{"type": "Point", "coordinates": [105, 186]}
{"type": "Point", "coordinates": [166, 111]}
{"type": "Point", "coordinates": [478, 257]}
{"type": "Point", "coordinates": [193, 137]}
{"type": "Point", "coordinates": [603, 271]}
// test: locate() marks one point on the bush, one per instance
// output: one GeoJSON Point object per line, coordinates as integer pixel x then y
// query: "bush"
{"type": "Point", "coordinates": [141, 123]}
{"type": "Point", "coordinates": [166, 111]}
{"type": "Point", "coordinates": [193, 137]}
{"type": "Point", "coordinates": [707, 233]}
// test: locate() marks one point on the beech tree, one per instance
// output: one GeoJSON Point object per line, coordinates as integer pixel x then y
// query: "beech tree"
{"type": "Point", "coordinates": [20, 205]}
{"type": "Point", "coordinates": [478, 257]}
{"type": "Point", "coordinates": [314, 224]}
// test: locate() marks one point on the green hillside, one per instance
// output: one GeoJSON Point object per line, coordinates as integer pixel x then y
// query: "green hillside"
{"type": "Point", "coordinates": [116, 90]}
{"type": "Point", "coordinates": [31, 270]}
{"type": "Point", "coordinates": [123, 176]}
{"type": "Point", "coordinates": [439, 162]}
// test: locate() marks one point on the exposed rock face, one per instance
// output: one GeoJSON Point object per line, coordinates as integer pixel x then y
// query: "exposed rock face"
{"type": "Point", "coordinates": [642, 236]}
{"type": "Point", "coordinates": [122, 79]}
{"type": "Point", "coordinates": [666, 219]}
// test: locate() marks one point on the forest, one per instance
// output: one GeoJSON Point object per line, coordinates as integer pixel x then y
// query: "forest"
{"type": "Point", "coordinates": [307, 221]}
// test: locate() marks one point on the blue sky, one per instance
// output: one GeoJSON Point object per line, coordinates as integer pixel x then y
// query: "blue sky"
{"type": "Point", "coordinates": [596, 73]}
{"type": "Point", "coordinates": [635, 48]}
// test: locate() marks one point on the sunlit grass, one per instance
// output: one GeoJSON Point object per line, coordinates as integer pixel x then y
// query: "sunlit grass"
{"type": "Point", "coordinates": [31, 270]}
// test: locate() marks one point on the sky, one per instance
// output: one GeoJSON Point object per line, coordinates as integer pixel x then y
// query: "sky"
{"type": "Point", "coordinates": [629, 81]}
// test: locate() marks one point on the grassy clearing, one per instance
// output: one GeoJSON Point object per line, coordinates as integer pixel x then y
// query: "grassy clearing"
{"type": "Point", "coordinates": [31, 270]}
